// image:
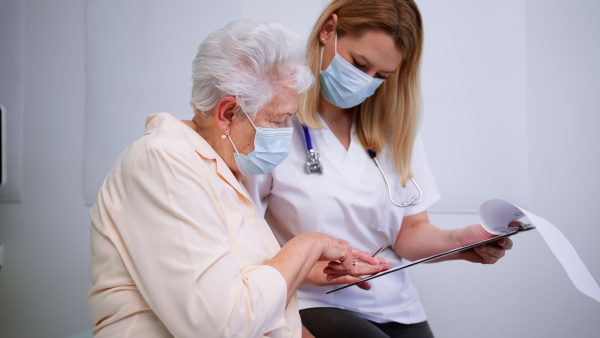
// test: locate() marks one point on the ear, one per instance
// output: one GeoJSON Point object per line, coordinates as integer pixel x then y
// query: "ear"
{"type": "Point", "coordinates": [224, 111]}
{"type": "Point", "coordinates": [328, 30]}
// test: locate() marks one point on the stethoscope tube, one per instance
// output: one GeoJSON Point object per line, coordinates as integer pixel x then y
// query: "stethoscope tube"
{"type": "Point", "coordinates": [313, 165]}
{"type": "Point", "coordinates": [415, 199]}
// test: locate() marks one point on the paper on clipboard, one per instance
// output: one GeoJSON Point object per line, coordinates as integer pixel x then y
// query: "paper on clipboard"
{"type": "Point", "coordinates": [495, 215]}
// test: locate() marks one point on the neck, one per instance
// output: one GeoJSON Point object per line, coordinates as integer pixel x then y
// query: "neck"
{"type": "Point", "coordinates": [334, 115]}
{"type": "Point", "coordinates": [338, 120]}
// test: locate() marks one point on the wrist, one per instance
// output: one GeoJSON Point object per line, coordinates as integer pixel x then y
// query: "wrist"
{"type": "Point", "coordinates": [457, 238]}
{"type": "Point", "coordinates": [313, 245]}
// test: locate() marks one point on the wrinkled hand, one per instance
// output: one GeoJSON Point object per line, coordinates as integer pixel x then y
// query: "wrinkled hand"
{"type": "Point", "coordinates": [488, 253]}
{"type": "Point", "coordinates": [340, 251]}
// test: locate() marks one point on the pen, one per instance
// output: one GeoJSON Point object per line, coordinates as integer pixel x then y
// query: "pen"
{"type": "Point", "coordinates": [378, 251]}
{"type": "Point", "coordinates": [373, 255]}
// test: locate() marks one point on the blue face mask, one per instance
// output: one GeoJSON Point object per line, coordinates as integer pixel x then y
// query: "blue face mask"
{"type": "Point", "coordinates": [345, 85]}
{"type": "Point", "coordinates": [271, 147]}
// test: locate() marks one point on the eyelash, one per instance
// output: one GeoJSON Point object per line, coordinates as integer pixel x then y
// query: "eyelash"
{"type": "Point", "coordinates": [359, 66]}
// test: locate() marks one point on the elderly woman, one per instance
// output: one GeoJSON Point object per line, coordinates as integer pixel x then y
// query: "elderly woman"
{"type": "Point", "coordinates": [178, 248]}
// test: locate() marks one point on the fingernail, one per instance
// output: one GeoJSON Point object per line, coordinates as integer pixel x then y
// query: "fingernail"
{"type": "Point", "coordinates": [481, 248]}
{"type": "Point", "coordinates": [501, 242]}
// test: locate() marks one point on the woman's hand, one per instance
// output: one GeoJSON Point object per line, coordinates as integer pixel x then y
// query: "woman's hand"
{"type": "Point", "coordinates": [343, 254]}
{"type": "Point", "coordinates": [488, 253]}
{"type": "Point", "coordinates": [298, 256]}
{"type": "Point", "coordinates": [334, 270]}
{"type": "Point", "coordinates": [333, 273]}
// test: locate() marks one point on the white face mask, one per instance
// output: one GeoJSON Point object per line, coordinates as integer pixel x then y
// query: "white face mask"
{"type": "Point", "coordinates": [345, 85]}
{"type": "Point", "coordinates": [271, 147]}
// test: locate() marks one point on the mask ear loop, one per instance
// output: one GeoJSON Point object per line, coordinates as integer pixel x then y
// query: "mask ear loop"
{"type": "Point", "coordinates": [323, 48]}
{"type": "Point", "coordinates": [248, 116]}
{"type": "Point", "coordinates": [234, 147]}
{"type": "Point", "coordinates": [249, 119]}
{"type": "Point", "coordinates": [335, 45]}
{"type": "Point", "coordinates": [321, 63]}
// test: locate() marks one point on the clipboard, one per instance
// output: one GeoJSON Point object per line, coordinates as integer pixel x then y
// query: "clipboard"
{"type": "Point", "coordinates": [521, 228]}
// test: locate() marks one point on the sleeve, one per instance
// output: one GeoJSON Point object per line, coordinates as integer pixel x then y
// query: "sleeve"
{"type": "Point", "coordinates": [174, 228]}
{"type": "Point", "coordinates": [423, 176]}
{"type": "Point", "coordinates": [259, 188]}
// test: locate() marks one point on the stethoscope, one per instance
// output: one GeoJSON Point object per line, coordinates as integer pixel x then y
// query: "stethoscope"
{"type": "Point", "coordinates": [314, 165]}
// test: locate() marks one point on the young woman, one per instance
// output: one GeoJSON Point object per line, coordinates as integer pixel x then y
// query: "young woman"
{"type": "Point", "coordinates": [364, 109]}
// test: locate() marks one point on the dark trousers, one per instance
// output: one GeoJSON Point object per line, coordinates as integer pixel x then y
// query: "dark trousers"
{"type": "Point", "coordinates": [326, 322]}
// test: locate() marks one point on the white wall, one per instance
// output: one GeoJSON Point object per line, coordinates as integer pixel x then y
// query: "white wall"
{"type": "Point", "coordinates": [44, 278]}
{"type": "Point", "coordinates": [528, 294]}
{"type": "Point", "coordinates": [146, 52]}
{"type": "Point", "coordinates": [46, 236]}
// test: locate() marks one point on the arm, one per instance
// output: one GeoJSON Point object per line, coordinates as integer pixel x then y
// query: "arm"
{"type": "Point", "coordinates": [418, 238]}
{"type": "Point", "coordinates": [299, 255]}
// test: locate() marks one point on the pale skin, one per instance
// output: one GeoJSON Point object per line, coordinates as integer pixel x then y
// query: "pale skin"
{"type": "Point", "coordinates": [296, 258]}
{"type": "Point", "coordinates": [375, 53]}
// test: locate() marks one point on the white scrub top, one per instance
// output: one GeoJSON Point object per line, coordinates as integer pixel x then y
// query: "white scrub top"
{"type": "Point", "coordinates": [348, 201]}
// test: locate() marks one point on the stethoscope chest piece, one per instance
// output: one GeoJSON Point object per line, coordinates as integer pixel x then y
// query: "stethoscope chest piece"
{"type": "Point", "coordinates": [313, 162]}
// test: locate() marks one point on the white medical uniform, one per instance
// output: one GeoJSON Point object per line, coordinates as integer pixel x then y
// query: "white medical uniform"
{"type": "Point", "coordinates": [348, 201]}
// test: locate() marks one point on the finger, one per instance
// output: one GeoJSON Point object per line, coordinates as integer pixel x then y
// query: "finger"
{"type": "Point", "coordinates": [347, 262]}
{"type": "Point", "coordinates": [364, 285]}
{"type": "Point", "coordinates": [489, 254]}
{"type": "Point", "coordinates": [505, 243]}
{"type": "Point", "coordinates": [345, 279]}
{"type": "Point", "coordinates": [515, 224]}
{"type": "Point", "coordinates": [365, 257]}
{"type": "Point", "coordinates": [383, 263]}
{"type": "Point", "coordinates": [332, 280]}
{"type": "Point", "coordinates": [339, 272]}
{"type": "Point", "coordinates": [336, 266]}
{"type": "Point", "coordinates": [499, 247]}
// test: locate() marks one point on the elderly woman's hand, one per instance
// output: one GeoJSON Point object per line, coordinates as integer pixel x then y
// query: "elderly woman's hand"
{"type": "Point", "coordinates": [297, 259]}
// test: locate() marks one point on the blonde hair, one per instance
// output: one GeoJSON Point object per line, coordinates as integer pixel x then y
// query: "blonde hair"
{"type": "Point", "coordinates": [391, 116]}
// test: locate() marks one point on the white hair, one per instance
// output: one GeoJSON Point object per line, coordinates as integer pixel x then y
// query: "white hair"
{"type": "Point", "coordinates": [248, 60]}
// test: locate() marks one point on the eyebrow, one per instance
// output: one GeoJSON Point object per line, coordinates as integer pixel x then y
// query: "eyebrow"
{"type": "Point", "coordinates": [364, 58]}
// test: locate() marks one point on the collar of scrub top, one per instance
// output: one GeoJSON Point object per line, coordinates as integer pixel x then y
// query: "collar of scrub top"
{"type": "Point", "coordinates": [313, 165]}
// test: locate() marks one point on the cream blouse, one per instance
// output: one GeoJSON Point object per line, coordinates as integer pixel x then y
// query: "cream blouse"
{"type": "Point", "coordinates": [178, 247]}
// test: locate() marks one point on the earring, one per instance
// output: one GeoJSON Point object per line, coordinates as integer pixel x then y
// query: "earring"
{"type": "Point", "coordinates": [223, 136]}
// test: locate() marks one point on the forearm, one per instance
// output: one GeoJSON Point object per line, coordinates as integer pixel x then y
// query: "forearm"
{"type": "Point", "coordinates": [295, 260]}
{"type": "Point", "coordinates": [423, 240]}
{"type": "Point", "coordinates": [418, 238]}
